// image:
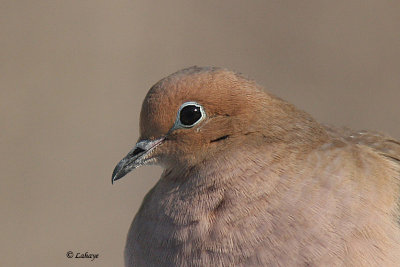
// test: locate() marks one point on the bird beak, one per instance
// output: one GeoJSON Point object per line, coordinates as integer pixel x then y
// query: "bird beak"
{"type": "Point", "coordinates": [138, 156]}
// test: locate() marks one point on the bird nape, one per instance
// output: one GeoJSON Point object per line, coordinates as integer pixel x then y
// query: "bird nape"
{"type": "Point", "coordinates": [250, 180]}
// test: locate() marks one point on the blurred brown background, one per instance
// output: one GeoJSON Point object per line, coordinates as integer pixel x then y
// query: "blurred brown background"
{"type": "Point", "coordinates": [73, 75]}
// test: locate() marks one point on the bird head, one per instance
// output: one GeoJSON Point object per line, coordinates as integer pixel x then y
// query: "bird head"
{"type": "Point", "coordinates": [195, 114]}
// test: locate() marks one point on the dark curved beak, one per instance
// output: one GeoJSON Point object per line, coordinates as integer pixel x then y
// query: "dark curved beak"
{"type": "Point", "coordinates": [137, 157]}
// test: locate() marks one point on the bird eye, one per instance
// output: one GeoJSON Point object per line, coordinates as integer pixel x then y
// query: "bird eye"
{"type": "Point", "coordinates": [190, 113]}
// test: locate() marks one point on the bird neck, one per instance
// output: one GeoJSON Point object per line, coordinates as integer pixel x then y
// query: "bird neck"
{"type": "Point", "coordinates": [223, 170]}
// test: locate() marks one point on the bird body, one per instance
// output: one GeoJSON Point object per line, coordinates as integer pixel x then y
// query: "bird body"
{"type": "Point", "coordinates": [257, 182]}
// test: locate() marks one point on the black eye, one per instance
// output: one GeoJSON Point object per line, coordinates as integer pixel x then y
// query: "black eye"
{"type": "Point", "coordinates": [190, 114]}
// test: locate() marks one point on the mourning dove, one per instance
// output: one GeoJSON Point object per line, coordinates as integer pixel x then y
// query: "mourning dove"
{"type": "Point", "coordinates": [250, 180]}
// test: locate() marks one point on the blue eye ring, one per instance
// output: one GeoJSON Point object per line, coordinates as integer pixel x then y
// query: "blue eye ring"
{"type": "Point", "coordinates": [192, 109]}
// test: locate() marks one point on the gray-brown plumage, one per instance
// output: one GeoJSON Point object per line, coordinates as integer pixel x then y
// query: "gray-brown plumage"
{"type": "Point", "coordinates": [249, 180]}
